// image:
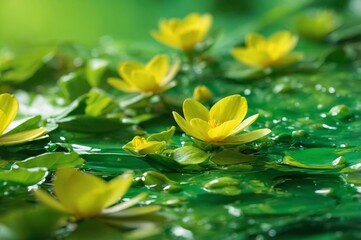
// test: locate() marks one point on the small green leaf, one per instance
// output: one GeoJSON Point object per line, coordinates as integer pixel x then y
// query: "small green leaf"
{"type": "Point", "coordinates": [160, 182]}
{"type": "Point", "coordinates": [314, 158]}
{"type": "Point", "coordinates": [73, 85]}
{"type": "Point", "coordinates": [162, 136]}
{"type": "Point", "coordinates": [189, 155]}
{"type": "Point", "coordinates": [29, 223]}
{"type": "Point", "coordinates": [25, 124]}
{"type": "Point", "coordinates": [83, 123]}
{"type": "Point", "coordinates": [24, 66]}
{"type": "Point", "coordinates": [224, 186]}
{"type": "Point", "coordinates": [24, 176]}
{"type": "Point", "coordinates": [229, 157]}
{"type": "Point", "coordinates": [98, 104]}
{"type": "Point", "coordinates": [51, 161]}
{"type": "Point", "coordinates": [95, 69]}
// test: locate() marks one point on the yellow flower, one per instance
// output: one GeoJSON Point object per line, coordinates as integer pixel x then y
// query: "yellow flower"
{"type": "Point", "coordinates": [221, 124]}
{"type": "Point", "coordinates": [85, 195]}
{"type": "Point", "coordinates": [144, 146]}
{"type": "Point", "coordinates": [8, 109]}
{"type": "Point", "coordinates": [202, 93]}
{"type": "Point", "coordinates": [154, 77]}
{"type": "Point", "coordinates": [183, 33]}
{"type": "Point", "coordinates": [267, 52]}
{"type": "Point", "coordinates": [316, 25]}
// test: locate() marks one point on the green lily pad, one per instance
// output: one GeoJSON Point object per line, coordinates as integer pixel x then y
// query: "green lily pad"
{"type": "Point", "coordinates": [314, 158]}
{"type": "Point", "coordinates": [27, 177]}
{"type": "Point", "coordinates": [189, 155]}
{"type": "Point", "coordinates": [229, 157]}
{"type": "Point", "coordinates": [51, 161]}
{"type": "Point", "coordinates": [224, 186]}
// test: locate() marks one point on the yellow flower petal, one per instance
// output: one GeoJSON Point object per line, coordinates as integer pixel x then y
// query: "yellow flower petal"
{"type": "Point", "coordinates": [229, 108]}
{"type": "Point", "coordinates": [151, 147]}
{"type": "Point", "coordinates": [255, 40]}
{"type": "Point", "coordinates": [135, 212]}
{"type": "Point", "coordinates": [262, 52]}
{"type": "Point", "coordinates": [222, 131]}
{"type": "Point", "coordinates": [182, 123]}
{"type": "Point", "coordinates": [166, 39]}
{"type": "Point", "coordinates": [145, 81]}
{"type": "Point", "coordinates": [183, 33]}
{"type": "Point", "coordinates": [71, 185]}
{"type": "Point", "coordinates": [202, 93]}
{"type": "Point", "coordinates": [285, 40]}
{"type": "Point", "coordinates": [118, 187]}
{"type": "Point", "coordinates": [251, 57]}
{"type": "Point", "coordinates": [194, 109]}
{"type": "Point", "coordinates": [248, 137]}
{"type": "Point", "coordinates": [90, 203]}
{"type": "Point", "coordinates": [205, 24]}
{"type": "Point", "coordinates": [122, 85]}
{"type": "Point", "coordinates": [244, 124]}
{"type": "Point", "coordinates": [8, 109]}
{"type": "Point", "coordinates": [125, 205]}
{"type": "Point", "coordinates": [48, 200]}
{"type": "Point", "coordinates": [200, 129]}
{"type": "Point", "coordinates": [22, 137]}
{"type": "Point", "coordinates": [126, 70]}
{"type": "Point", "coordinates": [189, 39]}
{"type": "Point", "coordinates": [291, 58]}
{"type": "Point", "coordinates": [158, 66]}
{"type": "Point", "coordinates": [171, 73]}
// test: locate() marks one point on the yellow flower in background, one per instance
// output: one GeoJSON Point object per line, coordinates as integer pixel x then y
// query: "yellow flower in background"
{"type": "Point", "coordinates": [267, 52]}
{"type": "Point", "coordinates": [316, 25]}
{"type": "Point", "coordinates": [8, 109]}
{"type": "Point", "coordinates": [85, 195]}
{"type": "Point", "coordinates": [202, 94]}
{"type": "Point", "coordinates": [183, 33]}
{"type": "Point", "coordinates": [221, 124]}
{"type": "Point", "coordinates": [143, 146]}
{"type": "Point", "coordinates": [154, 77]}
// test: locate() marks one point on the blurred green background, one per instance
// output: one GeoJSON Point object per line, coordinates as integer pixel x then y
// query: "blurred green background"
{"type": "Point", "coordinates": [29, 22]}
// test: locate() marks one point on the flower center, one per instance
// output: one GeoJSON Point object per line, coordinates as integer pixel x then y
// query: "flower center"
{"type": "Point", "coordinates": [138, 142]}
{"type": "Point", "coordinates": [214, 123]}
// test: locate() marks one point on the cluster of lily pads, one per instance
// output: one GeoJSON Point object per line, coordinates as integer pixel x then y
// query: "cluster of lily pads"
{"type": "Point", "coordinates": [213, 129]}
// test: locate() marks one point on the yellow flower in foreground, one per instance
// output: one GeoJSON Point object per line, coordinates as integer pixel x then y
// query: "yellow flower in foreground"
{"type": "Point", "coordinates": [268, 52]}
{"type": "Point", "coordinates": [154, 77]}
{"type": "Point", "coordinates": [143, 146]}
{"type": "Point", "coordinates": [221, 124]}
{"type": "Point", "coordinates": [202, 94]}
{"type": "Point", "coordinates": [85, 195]}
{"type": "Point", "coordinates": [316, 25]}
{"type": "Point", "coordinates": [8, 109]}
{"type": "Point", "coordinates": [183, 33]}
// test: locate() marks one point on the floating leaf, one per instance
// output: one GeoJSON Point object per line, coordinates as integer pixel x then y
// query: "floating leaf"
{"type": "Point", "coordinates": [229, 157]}
{"type": "Point", "coordinates": [24, 66]}
{"type": "Point", "coordinates": [95, 69]}
{"type": "Point", "coordinates": [25, 124]}
{"type": "Point", "coordinates": [314, 158]}
{"type": "Point", "coordinates": [73, 85]}
{"type": "Point", "coordinates": [29, 223]}
{"type": "Point", "coordinates": [224, 186]}
{"type": "Point", "coordinates": [83, 123]}
{"type": "Point", "coordinates": [52, 161]}
{"type": "Point", "coordinates": [160, 182]}
{"type": "Point", "coordinates": [29, 176]}
{"type": "Point", "coordinates": [189, 155]}
{"type": "Point", "coordinates": [98, 104]}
